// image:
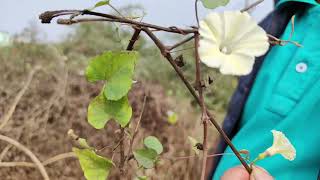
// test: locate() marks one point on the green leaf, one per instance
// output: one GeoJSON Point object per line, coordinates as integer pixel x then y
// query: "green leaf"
{"type": "Point", "coordinates": [101, 3]}
{"type": "Point", "coordinates": [141, 178]}
{"type": "Point", "coordinates": [152, 142]}
{"type": "Point", "coordinates": [116, 68]}
{"type": "Point", "coordinates": [193, 143]}
{"type": "Point", "coordinates": [95, 167]}
{"type": "Point", "coordinates": [119, 84]}
{"type": "Point", "coordinates": [101, 110]}
{"type": "Point", "coordinates": [83, 143]}
{"type": "Point", "coordinates": [146, 157]}
{"type": "Point", "coordinates": [172, 117]}
{"type": "Point", "coordinates": [211, 4]}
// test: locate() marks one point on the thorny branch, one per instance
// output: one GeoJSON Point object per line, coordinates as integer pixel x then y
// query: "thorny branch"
{"type": "Point", "coordinates": [168, 56]}
{"type": "Point", "coordinates": [46, 17]}
{"type": "Point", "coordinates": [204, 116]}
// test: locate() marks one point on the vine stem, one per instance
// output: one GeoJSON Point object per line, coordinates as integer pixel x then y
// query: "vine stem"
{"type": "Point", "coordinates": [29, 153]}
{"type": "Point", "coordinates": [196, 11]}
{"type": "Point", "coordinates": [123, 158]}
{"type": "Point", "coordinates": [135, 132]}
{"type": "Point", "coordinates": [204, 116]}
{"type": "Point", "coordinates": [208, 156]}
{"type": "Point", "coordinates": [180, 43]}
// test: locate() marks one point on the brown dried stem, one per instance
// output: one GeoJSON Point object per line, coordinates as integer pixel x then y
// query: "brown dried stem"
{"type": "Point", "coordinates": [180, 43]}
{"type": "Point", "coordinates": [44, 163]}
{"type": "Point", "coordinates": [135, 132]}
{"type": "Point", "coordinates": [204, 116]}
{"type": "Point", "coordinates": [168, 56]}
{"type": "Point", "coordinates": [27, 152]}
{"type": "Point", "coordinates": [47, 16]}
{"type": "Point", "coordinates": [12, 108]}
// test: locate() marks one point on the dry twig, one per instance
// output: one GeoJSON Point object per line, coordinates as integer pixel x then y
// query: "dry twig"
{"type": "Point", "coordinates": [12, 108]}
{"type": "Point", "coordinates": [29, 153]}
{"type": "Point", "coordinates": [44, 163]}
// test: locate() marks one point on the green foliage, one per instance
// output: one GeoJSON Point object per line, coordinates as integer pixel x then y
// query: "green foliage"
{"type": "Point", "coordinates": [211, 4]}
{"type": "Point", "coordinates": [116, 68]}
{"type": "Point", "coordinates": [102, 3]}
{"type": "Point", "coordinates": [141, 178]}
{"type": "Point", "coordinates": [95, 167]}
{"type": "Point", "coordinates": [83, 143]}
{"type": "Point", "coordinates": [101, 110]}
{"type": "Point", "coordinates": [146, 157]}
{"type": "Point", "coordinates": [152, 142]}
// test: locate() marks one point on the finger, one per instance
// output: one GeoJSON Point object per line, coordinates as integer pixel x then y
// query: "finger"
{"type": "Point", "coordinates": [259, 173]}
{"type": "Point", "coordinates": [236, 173]}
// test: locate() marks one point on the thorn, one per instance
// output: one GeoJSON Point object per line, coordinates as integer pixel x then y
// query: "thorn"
{"type": "Point", "coordinates": [179, 61]}
{"type": "Point", "coordinates": [203, 84]}
{"type": "Point", "coordinates": [210, 80]}
{"type": "Point", "coordinates": [199, 146]}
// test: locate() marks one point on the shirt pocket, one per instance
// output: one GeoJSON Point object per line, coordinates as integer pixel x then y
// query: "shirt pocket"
{"type": "Point", "coordinates": [297, 79]}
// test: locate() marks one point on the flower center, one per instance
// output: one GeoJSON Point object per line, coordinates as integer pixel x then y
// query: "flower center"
{"type": "Point", "coordinates": [225, 49]}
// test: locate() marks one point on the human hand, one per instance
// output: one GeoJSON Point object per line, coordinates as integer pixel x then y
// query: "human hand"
{"type": "Point", "coordinates": [240, 173]}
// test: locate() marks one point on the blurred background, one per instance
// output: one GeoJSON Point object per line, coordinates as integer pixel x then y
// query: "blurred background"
{"type": "Point", "coordinates": [42, 104]}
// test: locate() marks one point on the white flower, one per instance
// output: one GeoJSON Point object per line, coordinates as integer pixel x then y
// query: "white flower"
{"type": "Point", "coordinates": [230, 41]}
{"type": "Point", "coordinates": [281, 145]}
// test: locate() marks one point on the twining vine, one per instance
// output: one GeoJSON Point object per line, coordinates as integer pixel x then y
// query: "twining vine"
{"type": "Point", "coordinates": [116, 68]}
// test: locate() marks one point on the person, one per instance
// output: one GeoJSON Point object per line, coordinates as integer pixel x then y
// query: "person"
{"type": "Point", "coordinates": [281, 93]}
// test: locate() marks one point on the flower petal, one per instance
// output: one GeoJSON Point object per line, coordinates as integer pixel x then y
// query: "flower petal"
{"type": "Point", "coordinates": [212, 24]}
{"type": "Point", "coordinates": [282, 145]}
{"type": "Point", "coordinates": [237, 24]}
{"type": "Point", "coordinates": [237, 64]}
{"type": "Point", "coordinates": [230, 41]}
{"type": "Point", "coordinates": [212, 57]}
{"type": "Point", "coordinates": [254, 43]}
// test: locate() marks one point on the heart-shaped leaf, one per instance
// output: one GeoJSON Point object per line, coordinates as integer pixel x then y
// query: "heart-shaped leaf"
{"type": "Point", "coordinates": [101, 110]}
{"type": "Point", "coordinates": [95, 167]}
{"type": "Point", "coordinates": [117, 69]}
{"type": "Point", "coordinates": [152, 142]}
{"type": "Point", "coordinates": [101, 3]}
{"type": "Point", "coordinates": [146, 157]}
{"type": "Point", "coordinates": [211, 4]}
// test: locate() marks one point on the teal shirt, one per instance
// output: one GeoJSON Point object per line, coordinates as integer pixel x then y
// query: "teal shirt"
{"type": "Point", "coordinates": [285, 97]}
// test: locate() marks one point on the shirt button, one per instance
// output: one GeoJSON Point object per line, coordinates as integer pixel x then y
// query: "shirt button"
{"type": "Point", "coordinates": [301, 67]}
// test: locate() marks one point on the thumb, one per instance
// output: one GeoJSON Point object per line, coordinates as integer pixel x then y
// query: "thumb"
{"type": "Point", "coordinates": [259, 173]}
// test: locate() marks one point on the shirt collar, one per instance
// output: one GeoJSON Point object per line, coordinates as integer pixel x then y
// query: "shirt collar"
{"type": "Point", "coordinates": [308, 2]}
